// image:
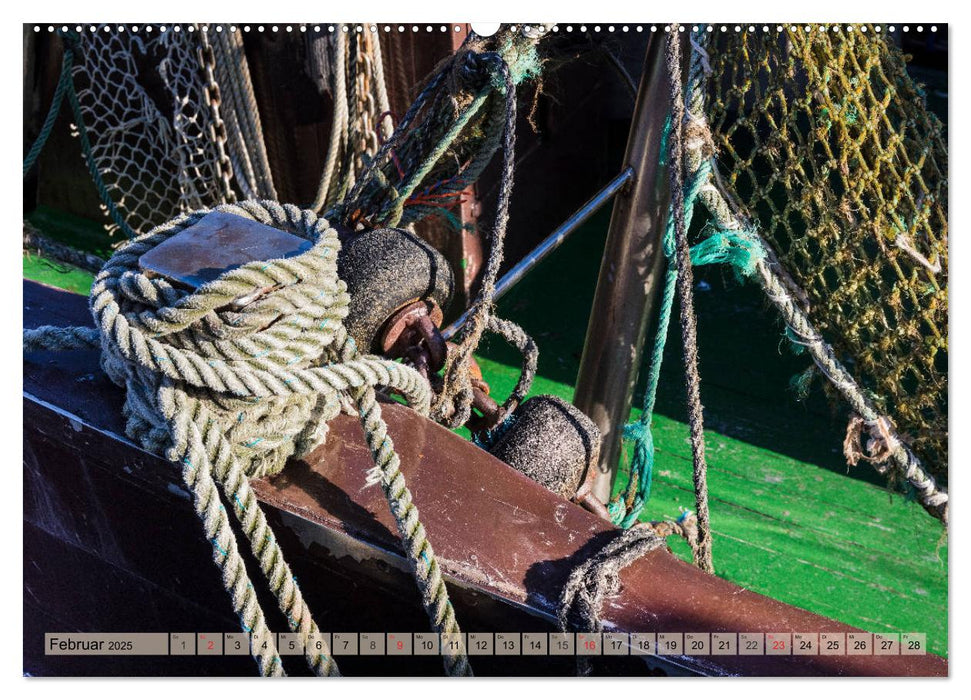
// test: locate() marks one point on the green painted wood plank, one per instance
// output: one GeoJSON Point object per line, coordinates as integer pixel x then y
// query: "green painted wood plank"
{"type": "Point", "coordinates": [57, 274]}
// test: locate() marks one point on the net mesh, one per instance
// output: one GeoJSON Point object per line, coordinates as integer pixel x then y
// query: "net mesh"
{"type": "Point", "coordinates": [825, 141]}
{"type": "Point", "coordinates": [142, 102]}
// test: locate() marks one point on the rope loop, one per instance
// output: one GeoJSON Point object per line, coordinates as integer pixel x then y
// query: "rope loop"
{"type": "Point", "coordinates": [233, 378]}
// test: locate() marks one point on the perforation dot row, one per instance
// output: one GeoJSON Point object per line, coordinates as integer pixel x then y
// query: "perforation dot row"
{"type": "Point", "coordinates": [428, 28]}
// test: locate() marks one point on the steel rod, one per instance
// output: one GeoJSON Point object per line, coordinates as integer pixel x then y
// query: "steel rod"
{"type": "Point", "coordinates": [551, 242]}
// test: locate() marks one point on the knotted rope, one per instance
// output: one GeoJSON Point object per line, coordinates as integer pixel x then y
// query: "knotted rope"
{"type": "Point", "coordinates": [231, 394]}
{"type": "Point", "coordinates": [740, 249]}
{"type": "Point", "coordinates": [597, 578]}
{"type": "Point", "coordinates": [448, 135]}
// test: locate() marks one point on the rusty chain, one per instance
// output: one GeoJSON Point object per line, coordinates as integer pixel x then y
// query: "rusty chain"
{"type": "Point", "coordinates": [213, 98]}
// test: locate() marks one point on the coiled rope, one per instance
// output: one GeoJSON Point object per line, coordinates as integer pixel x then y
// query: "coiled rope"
{"type": "Point", "coordinates": [229, 395]}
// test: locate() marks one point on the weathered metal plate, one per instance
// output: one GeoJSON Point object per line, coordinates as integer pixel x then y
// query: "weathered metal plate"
{"type": "Point", "coordinates": [216, 244]}
{"type": "Point", "coordinates": [506, 545]}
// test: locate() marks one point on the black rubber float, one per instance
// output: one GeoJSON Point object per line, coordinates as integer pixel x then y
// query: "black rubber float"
{"type": "Point", "coordinates": [552, 442]}
{"type": "Point", "coordinates": [385, 270]}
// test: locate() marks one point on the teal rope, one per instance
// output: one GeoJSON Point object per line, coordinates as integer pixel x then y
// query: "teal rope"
{"type": "Point", "coordinates": [740, 249]}
{"type": "Point", "coordinates": [392, 213]}
{"type": "Point", "coordinates": [62, 85]}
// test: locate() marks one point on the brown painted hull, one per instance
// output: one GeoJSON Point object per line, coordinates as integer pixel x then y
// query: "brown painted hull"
{"type": "Point", "coordinates": [111, 544]}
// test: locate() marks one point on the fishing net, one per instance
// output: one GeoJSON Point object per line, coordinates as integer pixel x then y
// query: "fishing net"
{"type": "Point", "coordinates": [150, 123]}
{"type": "Point", "coordinates": [825, 142]}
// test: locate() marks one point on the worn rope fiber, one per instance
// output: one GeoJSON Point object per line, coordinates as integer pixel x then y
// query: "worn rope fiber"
{"type": "Point", "coordinates": [464, 113]}
{"type": "Point", "coordinates": [689, 333]}
{"type": "Point", "coordinates": [444, 129]}
{"type": "Point", "coordinates": [598, 577]}
{"type": "Point", "coordinates": [352, 70]}
{"type": "Point", "coordinates": [453, 405]}
{"type": "Point", "coordinates": [318, 55]}
{"type": "Point", "coordinates": [785, 295]}
{"type": "Point", "coordinates": [246, 146]}
{"type": "Point", "coordinates": [739, 248]}
{"type": "Point", "coordinates": [230, 394]}
{"type": "Point", "coordinates": [448, 135]}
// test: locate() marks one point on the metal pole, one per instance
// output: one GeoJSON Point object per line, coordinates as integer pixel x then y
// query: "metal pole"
{"type": "Point", "coordinates": [629, 272]}
{"type": "Point", "coordinates": [551, 242]}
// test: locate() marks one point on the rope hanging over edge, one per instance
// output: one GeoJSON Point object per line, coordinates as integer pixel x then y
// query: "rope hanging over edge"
{"type": "Point", "coordinates": [171, 350]}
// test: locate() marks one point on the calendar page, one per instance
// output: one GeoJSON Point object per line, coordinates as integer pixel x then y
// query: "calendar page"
{"type": "Point", "coordinates": [611, 349]}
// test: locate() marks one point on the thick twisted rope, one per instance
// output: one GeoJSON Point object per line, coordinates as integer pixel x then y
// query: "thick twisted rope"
{"type": "Point", "coordinates": [689, 332]}
{"type": "Point", "coordinates": [453, 405]}
{"type": "Point", "coordinates": [339, 120]}
{"type": "Point", "coordinates": [518, 338]}
{"type": "Point", "coordinates": [361, 113]}
{"type": "Point", "coordinates": [781, 290]}
{"type": "Point", "coordinates": [251, 163]}
{"type": "Point", "coordinates": [231, 394]}
{"type": "Point", "coordinates": [418, 549]}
